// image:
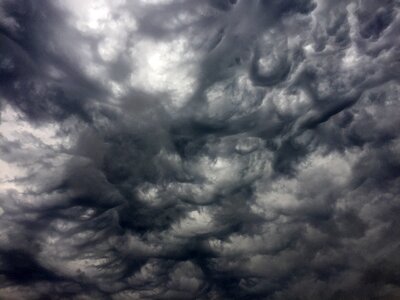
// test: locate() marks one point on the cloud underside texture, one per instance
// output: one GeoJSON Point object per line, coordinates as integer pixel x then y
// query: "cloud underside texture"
{"type": "Point", "coordinates": [200, 149]}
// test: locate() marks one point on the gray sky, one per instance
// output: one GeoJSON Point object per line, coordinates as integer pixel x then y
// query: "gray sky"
{"type": "Point", "coordinates": [199, 149]}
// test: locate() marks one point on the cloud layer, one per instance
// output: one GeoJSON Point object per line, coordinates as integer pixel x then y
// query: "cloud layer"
{"type": "Point", "coordinates": [217, 149]}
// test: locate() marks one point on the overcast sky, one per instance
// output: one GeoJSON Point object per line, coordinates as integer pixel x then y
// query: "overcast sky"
{"type": "Point", "coordinates": [200, 149]}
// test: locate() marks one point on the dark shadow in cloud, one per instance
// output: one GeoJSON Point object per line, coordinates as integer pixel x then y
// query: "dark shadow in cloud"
{"type": "Point", "coordinates": [21, 267]}
{"type": "Point", "coordinates": [38, 76]}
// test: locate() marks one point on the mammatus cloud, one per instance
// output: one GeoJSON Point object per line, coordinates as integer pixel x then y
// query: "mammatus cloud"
{"type": "Point", "coordinates": [171, 149]}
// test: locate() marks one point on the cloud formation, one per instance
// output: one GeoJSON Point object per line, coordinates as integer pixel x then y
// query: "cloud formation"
{"type": "Point", "coordinates": [185, 149]}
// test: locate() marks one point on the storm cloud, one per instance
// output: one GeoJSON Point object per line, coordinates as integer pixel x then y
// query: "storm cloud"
{"type": "Point", "coordinates": [200, 149]}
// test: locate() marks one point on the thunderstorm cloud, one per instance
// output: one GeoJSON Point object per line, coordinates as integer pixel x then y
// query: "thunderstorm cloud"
{"type": "Point", "coordinates": [199, 149]}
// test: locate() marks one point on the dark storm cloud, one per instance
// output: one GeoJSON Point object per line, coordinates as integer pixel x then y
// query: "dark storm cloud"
{"type": "Point", "coordinates": [199, 149]}
{"type": "Point", "coordinates": [38, 73]}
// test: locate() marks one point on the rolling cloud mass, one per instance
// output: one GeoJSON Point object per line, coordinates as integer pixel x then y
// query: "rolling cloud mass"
{"type": "Point", "coordinates": [200, 149]}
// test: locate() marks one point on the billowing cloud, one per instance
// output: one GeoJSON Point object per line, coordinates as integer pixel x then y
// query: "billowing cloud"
{"type": "Point", "coordinates": [184, 149]}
